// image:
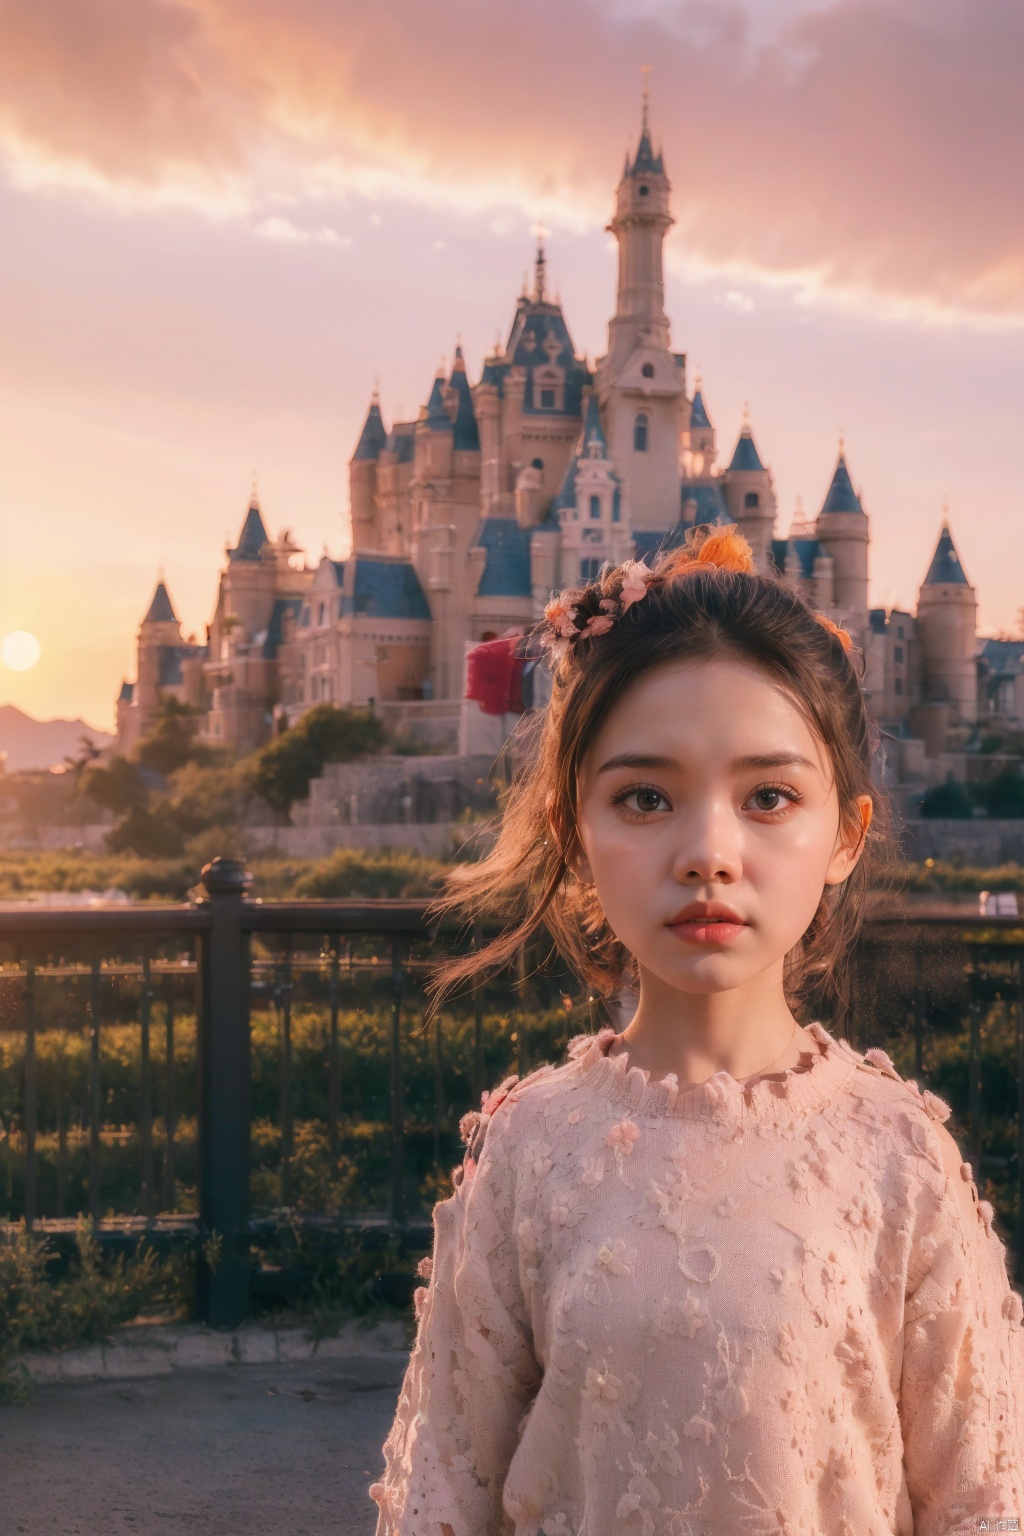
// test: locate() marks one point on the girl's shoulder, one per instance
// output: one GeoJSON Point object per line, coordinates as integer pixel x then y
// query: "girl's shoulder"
{"type": "Point", "coordinates": [914, 1118]}
{"type": "Point", "coordinates": [520, 1104]}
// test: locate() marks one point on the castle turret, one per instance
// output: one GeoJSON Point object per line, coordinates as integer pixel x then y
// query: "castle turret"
{"type": "Point", "coordinates": [700, 456]}
{"type": "Point", "coordinates": [362, 479]}
{"type": "Point", "coordinates": [947, 611]}
{"type": "Point", "coordinates": [750, 496]}
{"type": "Point", "coordinates": [842, 527]}
{"type": "Point", "coordinates": [641, 384]}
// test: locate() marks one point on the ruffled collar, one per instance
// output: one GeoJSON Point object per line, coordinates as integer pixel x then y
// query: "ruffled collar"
{"type": "Point", "coordinates": [771, 1098]}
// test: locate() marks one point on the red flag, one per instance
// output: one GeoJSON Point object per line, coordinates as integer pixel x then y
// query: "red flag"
{"type": "Point", "coordinates": [494, 677]}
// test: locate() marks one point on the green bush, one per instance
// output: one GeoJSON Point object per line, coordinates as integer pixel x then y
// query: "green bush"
{"type": "Point", "coordinates": [351, 874]}
{"type": "Point", "coordinates": [325, 734]}
{"type": "Point", "coordinates": [947, 800]}
{"type": "Point", "coordinates": [42, 1312]}
{"type": "Point", "coordinates": [152, 834]}
{"type": "Point", "coordinates": [1003, 795]}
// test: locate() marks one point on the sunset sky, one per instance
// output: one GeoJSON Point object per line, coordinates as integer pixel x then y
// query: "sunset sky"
{"type": "Point", "coordinates": [221, 219]}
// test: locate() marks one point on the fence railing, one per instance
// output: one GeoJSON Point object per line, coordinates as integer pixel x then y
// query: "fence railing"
{"type": "Point", "coordinates": [185, 1072]}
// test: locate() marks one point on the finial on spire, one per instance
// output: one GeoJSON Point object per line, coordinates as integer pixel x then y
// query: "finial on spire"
{"type": "Point", "coordinates": [945, 510]}
{"type": "Point", "coordinates": [842, 442]}
{"type": "Point", "coordinates": [540, 263]}
{"type": "Point", "coordinates": [746, 415]}
{"type": "Point", "coordinates": [375, 395]}
{"type": "Point", "coordinates": [698, 381]}
{"type": "Point", "coordinates": [645, 72]}
{"type": "Point", "coordinates": [254, 497]}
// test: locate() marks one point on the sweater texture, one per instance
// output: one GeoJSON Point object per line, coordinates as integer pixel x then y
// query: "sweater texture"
{"type": "Point", "coordinates": [736, 1308]}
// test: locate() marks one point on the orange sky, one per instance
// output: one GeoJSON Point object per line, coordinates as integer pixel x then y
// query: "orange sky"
{"type": "Point", "coordinates": [222, 218]}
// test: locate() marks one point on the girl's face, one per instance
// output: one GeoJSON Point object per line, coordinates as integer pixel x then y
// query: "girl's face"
{"type": "Point", "coordinates": [709, 824]}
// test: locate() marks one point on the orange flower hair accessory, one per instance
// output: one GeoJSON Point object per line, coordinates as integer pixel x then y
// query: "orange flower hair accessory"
{"type": "Point", "coordinates": [842, 635]}
{"type": "Point", "coordinates": [724, 547]}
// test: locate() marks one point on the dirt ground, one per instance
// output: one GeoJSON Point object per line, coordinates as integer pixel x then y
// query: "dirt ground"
{"type": "Point", "coordinates": [247, 1450]}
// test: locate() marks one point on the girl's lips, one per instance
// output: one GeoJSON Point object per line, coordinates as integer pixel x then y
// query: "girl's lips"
{"type": "Point", "coordinates": [706, 930]}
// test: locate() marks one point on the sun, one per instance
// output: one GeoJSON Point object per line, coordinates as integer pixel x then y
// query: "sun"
{"type": "Point", "coordinates": [20, 651]}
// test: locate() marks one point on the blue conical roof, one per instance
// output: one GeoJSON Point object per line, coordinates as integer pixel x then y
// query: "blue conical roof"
{"type": "Point", "coordinates": [373, 436]}
{"type": "Point", "coordinates": [645, 161]}
{"type": "Point", "coordinates": [945, 569]}
{"type": "Point", "coordinates": [746, 455]}
{"type": "Point", "coordinates": [592, 431]}
{"type": "Point", "coordinates": [841, 495]}
{"type": "Point", "coordinates": [253, 538]}
{"type": "Point", "coordinates": [698, 412]}
{"type": "Point", "coordinates": [467, 435]}
{"type": "Point", "coordinates": [161, 609]}
{"type": "Point", "coordinates": [438, 419]}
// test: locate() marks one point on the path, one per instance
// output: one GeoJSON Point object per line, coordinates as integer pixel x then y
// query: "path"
{"type": "Point", "coordinates": [246, 1450]}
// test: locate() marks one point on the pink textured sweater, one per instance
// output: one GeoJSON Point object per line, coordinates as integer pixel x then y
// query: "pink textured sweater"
{"type": "Point", "coordinates": [728, 1309]}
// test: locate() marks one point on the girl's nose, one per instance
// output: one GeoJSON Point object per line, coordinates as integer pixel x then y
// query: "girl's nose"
{"type": "Point", "coordinates": [709, 849]}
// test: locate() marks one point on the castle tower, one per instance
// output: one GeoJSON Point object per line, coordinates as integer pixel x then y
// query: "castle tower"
{"type": "Point", "coordinates": [640, 382]}
{"type": "Point", "coordinates": [842, 527]}
{"type": "Point", "coordinates": [159, 630]}
{"type": "Point", "coordinates": [362, 479]}
{"type": "Point", "coordinates": [701, 453]}
{"type": "Point", "coordinates": [947, 611]}
{"type": "Point", "coordinates": [750, 496]}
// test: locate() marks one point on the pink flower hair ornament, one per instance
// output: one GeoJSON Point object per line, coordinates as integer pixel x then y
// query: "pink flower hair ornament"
{"type": "Point", "coordinates": [564, 622]}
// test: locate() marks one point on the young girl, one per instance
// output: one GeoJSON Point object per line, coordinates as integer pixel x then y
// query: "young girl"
{"type": "Point", "coordinates": [719, 1273]}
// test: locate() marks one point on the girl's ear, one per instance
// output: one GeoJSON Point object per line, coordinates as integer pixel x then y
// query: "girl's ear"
{"type": "Point", "coordinates": [849, 847]}
{"type": "Point", "coordinates": [575, 859]}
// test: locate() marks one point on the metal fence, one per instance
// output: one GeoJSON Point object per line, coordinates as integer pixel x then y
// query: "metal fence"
{"type": "Point", "coordinates": [185, 1072]}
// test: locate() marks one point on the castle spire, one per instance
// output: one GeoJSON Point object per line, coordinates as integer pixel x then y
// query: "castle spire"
{"type": "Point", "coordinates": [539, 265]}
{"type": "Point", "coordinates": [645, 118]}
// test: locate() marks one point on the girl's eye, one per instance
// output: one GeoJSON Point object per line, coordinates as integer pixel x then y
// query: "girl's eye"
{"type": "Point", "coordinates": [642, 799]}
{"type": "Point", "coordinates": [773, 799]}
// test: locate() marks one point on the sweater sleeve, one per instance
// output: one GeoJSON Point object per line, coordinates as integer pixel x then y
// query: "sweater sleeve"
{"type": "Point", "coordinates": [472, 1373]}
{"type": "Point", "coordinates": [962, 1373]}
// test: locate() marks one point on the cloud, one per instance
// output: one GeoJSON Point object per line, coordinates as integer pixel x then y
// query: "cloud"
{"type": "Point", "coordinates": [283, 230]}
{"type": "Point", "coordinates": [864, 149]}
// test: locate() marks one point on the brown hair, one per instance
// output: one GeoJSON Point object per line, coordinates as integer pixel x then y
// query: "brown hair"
{"type": "Point", "coordinates": [700, 600]}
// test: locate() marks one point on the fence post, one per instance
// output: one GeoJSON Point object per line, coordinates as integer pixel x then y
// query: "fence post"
{"type": "Point", "coordinates": [224, 1101]}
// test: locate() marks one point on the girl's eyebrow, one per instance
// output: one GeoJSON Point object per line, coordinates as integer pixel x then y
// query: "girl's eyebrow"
{"type": "Point", "coordinates": [649, 760]}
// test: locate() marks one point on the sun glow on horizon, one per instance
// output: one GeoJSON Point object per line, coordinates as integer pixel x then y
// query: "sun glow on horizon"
{"type": "Point", "coordinates": [20, 650]}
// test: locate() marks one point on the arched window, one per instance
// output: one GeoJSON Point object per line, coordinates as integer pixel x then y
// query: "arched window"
{"type": "Point", "coordinates": [648, 370]}
{"type": "Point", "coordinates": [644, 191]}
{"type": "Point", "coordinates": [751, 499]}
{"type": "Point", "coordinates": [595, 506]}
{"type": "Point", "coordinates": [640, 433]}
{"type": "Point", "coordinates": [537, 463]}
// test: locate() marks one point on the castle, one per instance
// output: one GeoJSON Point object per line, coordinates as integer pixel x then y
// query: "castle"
{"type": "Point", "coordinates": [464, 520]}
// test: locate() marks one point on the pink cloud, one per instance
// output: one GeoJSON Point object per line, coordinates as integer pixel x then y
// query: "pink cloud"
{"type": "Point", "coordinates": [872, 144]}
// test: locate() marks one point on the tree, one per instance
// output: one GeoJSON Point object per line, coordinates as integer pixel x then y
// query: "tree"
{"type": "Point", "coordinates": [150, 833]}
{"type": "Point", "coordinates": [1003, 795]}
{"type": "Point", "coordinates": [119, 785]}
{"type": "Point", "coordinates": [87, 755]}
{"type": "Point", "coordinates": [326, 734]}
{"type": "Point", "coordinates": [947, 800]}
{"type": "Point", "coordinates": [170, 741]}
